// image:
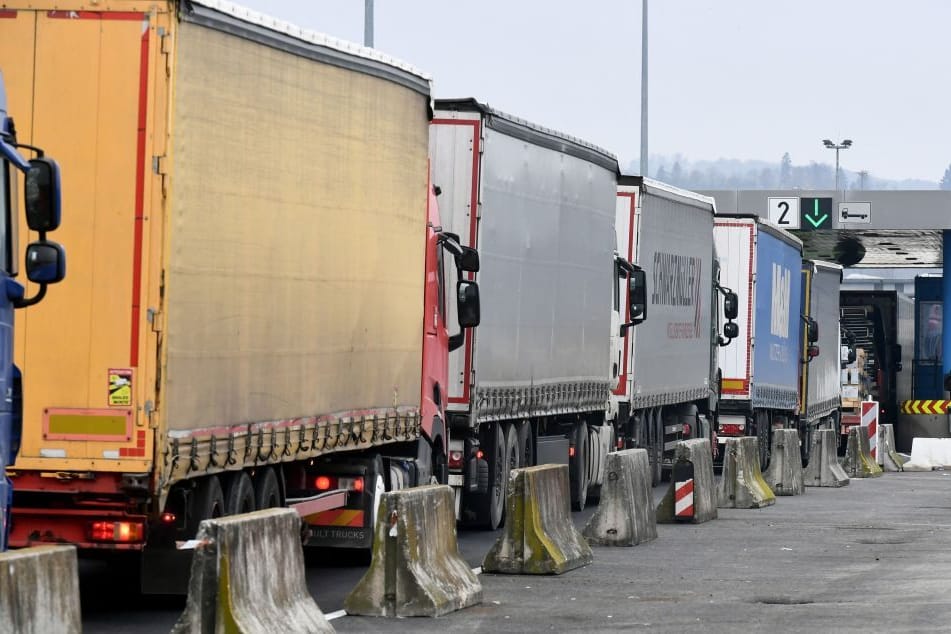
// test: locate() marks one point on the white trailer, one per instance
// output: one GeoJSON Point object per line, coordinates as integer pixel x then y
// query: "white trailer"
{"type": "Point", "coordinates": [532, 386]}
{"type": "Point", "coordinates": [666, 367]}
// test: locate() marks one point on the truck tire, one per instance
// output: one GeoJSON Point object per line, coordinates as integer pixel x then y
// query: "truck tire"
{"type": "Point", "coordinates": [440, 464]}
{"type": "Point", "coordinates": [267, 491]}
{"type": "Point", "coordinates": [526, 444]}
{"type": "Point", "coordinates": [578, 468]}
{"type": "Point", "coordinates": [764, 436]}
{"type": "Point", "coordinates": [239, 494]}
{"type": "Point", "coordinates": [656, 450]}
{"type": "Point", "coordinates": [208, 503]}
{"type": "Point", "coordinates": [805, 442]}
{"type": "Point", "coordinates": [490, 506]}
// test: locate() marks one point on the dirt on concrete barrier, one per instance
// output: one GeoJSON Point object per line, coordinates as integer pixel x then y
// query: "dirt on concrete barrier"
{"type": "Point", "coordinates": [784, 474]}
{"type": "Point", "coordinates": [39, 591]}
{"type": "Point", "coordinates": [742, 485]}
{"type": "Point", "coordinates": [416, 568]}
{"type": "Point", "coordinates": [625, 515]}
{"type": "Point", "coordinates": [539, 536]}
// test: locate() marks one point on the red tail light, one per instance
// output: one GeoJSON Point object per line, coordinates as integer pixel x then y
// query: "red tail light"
{"type": "Point", "coordinates": [571, 452]}
{"type": "Point", "coordinates": [731, 429]}
{"type": "Point", "coordinates": [122, 532]}
{"type": "Point", "coordinates": [455, 459]}
{"type": "Point", "coordinates": [357, 485]}
{"type": "Point", "coordinates": [168, 518]}
{"type": "Point", "coordinates": [323, 483]}
{"type": "Point", "coordinates": [480, 454]}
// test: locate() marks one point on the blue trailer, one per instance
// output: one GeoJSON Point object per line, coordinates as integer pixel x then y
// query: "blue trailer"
{"type": "Point", "coordinates": [45, 264]}
{"type": "Point", "coordinates": [760, 373]}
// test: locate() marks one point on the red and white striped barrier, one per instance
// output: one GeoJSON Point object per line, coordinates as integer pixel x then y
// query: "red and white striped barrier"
{"type": "Point", "coordinates": [870, 425]}
{"type": "Point", "coordinates": [682, 475]}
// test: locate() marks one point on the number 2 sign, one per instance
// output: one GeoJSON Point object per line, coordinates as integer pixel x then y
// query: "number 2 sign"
{"type": "Point", "coordinates": [784, 212]}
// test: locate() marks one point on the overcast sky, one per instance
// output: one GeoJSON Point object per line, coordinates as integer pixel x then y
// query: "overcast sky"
{"type": "Point", "coordinates": [747, 79]}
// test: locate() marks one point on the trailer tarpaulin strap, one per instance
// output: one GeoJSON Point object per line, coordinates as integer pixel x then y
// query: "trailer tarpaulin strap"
{"type": "Point", "coordinates": [683, 490]}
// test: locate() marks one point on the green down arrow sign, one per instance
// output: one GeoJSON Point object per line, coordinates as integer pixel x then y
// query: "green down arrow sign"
{"type": "Point", "coordinates": [816, 213]}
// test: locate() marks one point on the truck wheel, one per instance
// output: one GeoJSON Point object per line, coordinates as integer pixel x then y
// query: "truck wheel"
{"type": "Point", "coordinates": [239, 494]}
{"type": "Point", "coordinates": [763, 435]}
{"type": "Point", "coordinates": [267, 492]}
{"type": "Point", "coordinates": [656, 421]}
{"type": "Point", "coordinates": [490, 506]}
{"type": "Point", "coordinates": [440, 464]}
{"type": "Point", "coordinates": [208, 503]}
{"type": "Point", "coordinates": [805, 443]}
{"type": "Point", "coordinates": [578, 468]}
{"type": "Point", "coordinates": [526, 444]}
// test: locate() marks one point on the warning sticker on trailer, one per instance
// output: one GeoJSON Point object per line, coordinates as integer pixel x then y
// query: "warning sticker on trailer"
{"type": "Point", "coordinates": [120, 387]}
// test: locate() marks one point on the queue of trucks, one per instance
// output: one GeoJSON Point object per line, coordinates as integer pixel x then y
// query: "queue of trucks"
{"type": "Point", "coordinates": [298, 280]}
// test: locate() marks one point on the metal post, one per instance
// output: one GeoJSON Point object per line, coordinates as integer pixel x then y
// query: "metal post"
{"type": "Point", "coordinates": [837, 170]}
{"type": "Point", "coordinates": [643, 169]}
{"type": "Point", "coordinates": [945, 313]}
{"type": "Point", "coordinates": [368, 23]}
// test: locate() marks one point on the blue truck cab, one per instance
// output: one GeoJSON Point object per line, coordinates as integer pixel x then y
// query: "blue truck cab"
{"type": "Point", "coordinates": [45, 264]}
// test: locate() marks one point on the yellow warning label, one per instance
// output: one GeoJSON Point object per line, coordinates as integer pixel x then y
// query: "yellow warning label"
{"type": "Point", "coordinates": [120, 388]}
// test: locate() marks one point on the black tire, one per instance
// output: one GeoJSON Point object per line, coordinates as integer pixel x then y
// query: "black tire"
{"type": "Point", "coordinates": [526, 444]}
{"type": "Point", "coordinates": [239, 494]}
{"type": "Point", "coordinates": [267, 490]}
{"type": "Point", "coordinates": [490, 506]}
{"type": "Point", "coordinates": [805, 443]}
{"type": "Point", "coordinates": [656, 435]}
{"type": "Point", "coordinates": [765, 438]}
{"type": "Point", "coordinates": [578, 468]}
{"type": "Point", "coordinates": [208, 503]}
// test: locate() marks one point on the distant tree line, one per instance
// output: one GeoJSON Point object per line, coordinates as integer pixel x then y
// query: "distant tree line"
{"type": "Point", "coordinates": [736, 174]}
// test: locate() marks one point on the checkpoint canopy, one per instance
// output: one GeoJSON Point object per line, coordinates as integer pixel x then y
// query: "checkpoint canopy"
{"type": "Point", "coordinates": [865, 228]}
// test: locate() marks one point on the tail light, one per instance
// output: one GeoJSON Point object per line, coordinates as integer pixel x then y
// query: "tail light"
{"type": "Point", "coordinates": [328, 483]}
{"type": "Point", "coordinates": [571, 451]}
{"type": "Point", "coordinates": [168, 518]}
{"type": "Point", "coordinates": [731, 429]}
{"type": "Point", "coordinates": [120, 532]}
{"type": "Point", "coordinates": [480, 454]}
{"type": "Point", "coordinates": [455, 460]}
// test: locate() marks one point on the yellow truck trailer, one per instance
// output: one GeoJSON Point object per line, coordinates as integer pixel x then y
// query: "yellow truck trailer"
{"type": "Point", "coordinates": [253, 249]}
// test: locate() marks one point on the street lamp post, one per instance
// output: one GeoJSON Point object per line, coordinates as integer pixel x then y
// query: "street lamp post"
{"type": "Point", "coordinates": [846, 144]}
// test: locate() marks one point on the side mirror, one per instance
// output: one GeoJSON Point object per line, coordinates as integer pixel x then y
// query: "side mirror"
{"type": "Point", "coordinates": [731, 305]}
{"type": "Point", "coordinates": [731, 330]}
{"type": "Point", "coordinates": [467, 301]}
{"type": "Point", "coordinates": [45, 262]}
{"type": "Point", "coordinates": [813, 352]}
{"type": "Point", "coordinates": [469, 260]}
{"type": "Point", "coordinates": [42, 195]}
{"type": "Point", "coordinates": [637, 290]}
{"type": "Point", "coordinates": [812, 330]}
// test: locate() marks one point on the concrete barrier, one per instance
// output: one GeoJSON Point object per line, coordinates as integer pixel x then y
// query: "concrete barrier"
{"type": "Point", "coordinates": [928, 454]}
{"type": "Point", "coordinates": [625, 515]}
{"type": "Point", "coordinates": [742, 485]}
{"type": "Point", "coordinates": [858, 462]}
{"type": "Point", "coordinates": [539, 537]}
{"type": "Point", "coordinates": [248, 576]}
{"type": "Point", "coordinates": [39, 591]}
{"type": "Point", "coordinates": [824, 469]}
{"type": "Point", "coordinates": [696, 455]}
{"type": "Point", "coordinates": [784, 474]}
{"type": "Point", "coordinates": [416, 568]}
{"type": "Point", "coordinates": [888, 458]}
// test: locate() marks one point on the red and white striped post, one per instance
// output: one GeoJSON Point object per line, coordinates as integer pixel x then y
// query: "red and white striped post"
{"type": "Point", "coordinates": [870, 423]}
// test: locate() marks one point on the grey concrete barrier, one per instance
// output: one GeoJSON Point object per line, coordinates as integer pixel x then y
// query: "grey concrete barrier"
{"type": "Point", "coordinates": [784, 474]}
{"type": "Point", "coordinates": [742, 485]}
{"type": "Point", "coordinates": [858, 461]}
{"type": "Point", "coordinates": [625, 515]}
{"type": "Point", "coordinates": [416, 568]}
{"type": "Point", "coordinates": [539, 537]}
{"type": "Point", "coordinates": [824, 469]}
{"type": "Point", "coordinates": [248, 576]}
{"type": "Point", "coordinates": [696, 455]}
{"type": "Point", "coordinates": [39, 591]}
{"type": "Point", "coordinates": [888, 457]}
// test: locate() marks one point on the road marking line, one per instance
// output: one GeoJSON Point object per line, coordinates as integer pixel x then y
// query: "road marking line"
{"type": "Point", "coordinates": [336, 615]}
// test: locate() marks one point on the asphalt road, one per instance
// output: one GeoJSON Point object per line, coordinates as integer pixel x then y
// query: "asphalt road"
{"type": "Point", "coordinates": [872, 556]}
